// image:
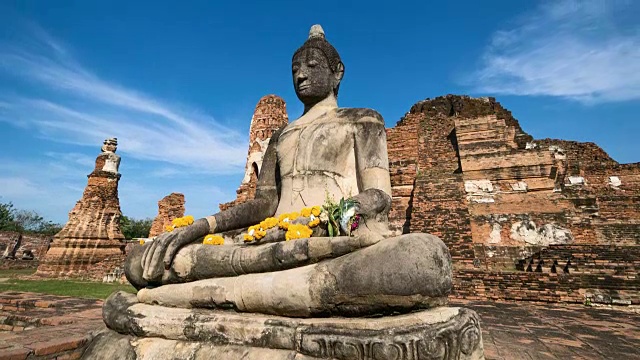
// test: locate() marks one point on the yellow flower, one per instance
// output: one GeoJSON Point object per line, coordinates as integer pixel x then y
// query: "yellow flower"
{"type": "Point", "coordinates": [285, 219]}
{"type": "Point", "coordinates": [141, 241]}
{"type": "Point", "coordinates": [314, 222]}
{"type": "Point", "coordinates": [168, 228]}
{"type": "Point", "coordinates": [306, 212]}
{"type": "Point", "coordinates": [298, 231]}
{"type": "Point", "coordinates": [212, 239]}
{"type": "Point", "coordinates": [188, 219]}
{"type": "Point", "coordinates": [268, 223]}
{"type": "Point", "coordinates": [260, 233]}
{"type": "Point", "coordinates": [316, 210]}
{"type": "Point", "coordinates": [248, 237]}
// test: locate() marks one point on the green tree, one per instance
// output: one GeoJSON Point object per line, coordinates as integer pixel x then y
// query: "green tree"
{"type": "Point", "coordinates": [135, 228]}
{"type": "Point", "coordinates": [7, 217]}
{"type": "Point", "coordinates": [25, 221]}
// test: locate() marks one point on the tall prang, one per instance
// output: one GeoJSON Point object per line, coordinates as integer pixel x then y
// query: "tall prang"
{"type": "Point", "coordinates": [91, 242]}
{"type": "Point", "coordinates": [270, 115]}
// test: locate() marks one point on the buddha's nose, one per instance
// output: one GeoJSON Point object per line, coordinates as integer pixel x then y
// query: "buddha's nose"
{"type": "Point", "coordinates": [301, 76]}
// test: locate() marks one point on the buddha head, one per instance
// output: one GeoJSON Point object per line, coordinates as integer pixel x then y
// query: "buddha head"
{"type": "Point", "coordinates": [316, 68]}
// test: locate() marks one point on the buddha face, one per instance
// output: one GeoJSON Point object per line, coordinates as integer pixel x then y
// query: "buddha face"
{"type": "Point", "coordinates": [313, 79]}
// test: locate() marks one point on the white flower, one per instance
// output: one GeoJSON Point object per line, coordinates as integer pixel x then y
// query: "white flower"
{"type": "Point", "coordinates": [251, 232]}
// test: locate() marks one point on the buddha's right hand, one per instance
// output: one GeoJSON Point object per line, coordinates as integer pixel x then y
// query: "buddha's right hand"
{"type": "Point", "coordinates": [159, 255]}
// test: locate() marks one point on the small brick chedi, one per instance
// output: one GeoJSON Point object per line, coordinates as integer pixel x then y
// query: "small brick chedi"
{"type": "Point", "coordinates": [270, 115]}
{"type": "Point", "coordinates": [91, 243]}
{"type": "Point", "coordinates": [169, 208]}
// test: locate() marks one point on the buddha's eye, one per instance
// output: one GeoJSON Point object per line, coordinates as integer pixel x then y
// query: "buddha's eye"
{"type": "Point", "coordinates": [312, 63]}
{"type": "Point", "coordinates": [295, 68]}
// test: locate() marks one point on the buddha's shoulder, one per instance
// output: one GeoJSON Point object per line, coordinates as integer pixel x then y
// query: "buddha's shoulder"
{"type": "Point", "coordinates": [360, 115]}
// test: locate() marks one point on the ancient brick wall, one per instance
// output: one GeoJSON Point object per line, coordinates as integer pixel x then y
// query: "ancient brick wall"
{"type": "Point", "coordinates": [15, 245]}
{"type": "Point", "coordinates": [169, 207]}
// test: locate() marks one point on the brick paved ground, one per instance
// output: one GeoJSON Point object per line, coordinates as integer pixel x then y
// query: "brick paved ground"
{"type": "Point", "coordinates": [531, 331]}
{"type": "Point", "coordinates": [36, 326]}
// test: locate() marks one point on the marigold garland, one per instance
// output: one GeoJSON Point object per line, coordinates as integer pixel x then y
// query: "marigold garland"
{"type": "Point", "coordinates": [285, 219]}
{"type": "Point", "coordinates": [179, 222]}
{"type": "Point", "coordinates": [298, 231]}
{"type": "Point", "coordinates": [212, 239]}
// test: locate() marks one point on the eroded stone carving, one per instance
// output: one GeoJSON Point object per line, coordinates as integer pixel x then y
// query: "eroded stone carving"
{"type": "Point", "coordinates": [548, 234]}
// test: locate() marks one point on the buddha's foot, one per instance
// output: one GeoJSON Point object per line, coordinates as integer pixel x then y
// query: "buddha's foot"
{"type": "Point", "coordinates": [395, 275]}
{"type": "Point", "coordinates": [156, 332]}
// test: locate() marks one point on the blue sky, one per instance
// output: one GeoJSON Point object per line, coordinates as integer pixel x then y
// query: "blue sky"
{"type": "Point", "coordinates": [177, 82]}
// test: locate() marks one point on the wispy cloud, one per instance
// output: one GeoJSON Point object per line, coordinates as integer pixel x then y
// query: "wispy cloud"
{"type": "Point", "coordinates": [82, 108]}
{"type": "Point", "coordinates": [586, 50]}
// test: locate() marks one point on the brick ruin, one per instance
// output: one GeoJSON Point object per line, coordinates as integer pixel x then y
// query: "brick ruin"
{"type": "Point", "coordinates": [169, 208]}
{"type": "Point", "coordinates": [270, 114]}
{"type": "Point", "coordinates": [91, 244]}
{"type": "Point", "coordinates": [524, 219]}
{"type": "Point", "coordinates": [22, 251]}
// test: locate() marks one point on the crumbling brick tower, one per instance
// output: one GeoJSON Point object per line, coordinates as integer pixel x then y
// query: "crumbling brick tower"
{"type": "Point", "coordinates": [269, 116]}
{"type": "Point", "coordinates": [91, 243]}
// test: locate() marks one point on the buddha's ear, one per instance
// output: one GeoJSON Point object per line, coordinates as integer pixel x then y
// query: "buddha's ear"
{"type": "Point", "coordinates": [339, 71]}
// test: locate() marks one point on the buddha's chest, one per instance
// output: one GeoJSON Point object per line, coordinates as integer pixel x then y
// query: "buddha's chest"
{"type": "Point", "coordinates": [324, 147]}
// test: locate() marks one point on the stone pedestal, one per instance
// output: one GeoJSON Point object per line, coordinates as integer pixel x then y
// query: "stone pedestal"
{"type": "Point", "coordinates": [156, 332]}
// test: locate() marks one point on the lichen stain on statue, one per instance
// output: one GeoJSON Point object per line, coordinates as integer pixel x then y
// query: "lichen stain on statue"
{"type": "Point", "coordinates": [303, 298]}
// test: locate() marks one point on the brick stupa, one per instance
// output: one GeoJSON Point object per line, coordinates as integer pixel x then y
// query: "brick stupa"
{"type": "Point", "coordinates": [270, 115]}
{"type": "Point", "coordinates": [169, 208]}
{"type": "Point", "coordinates": [91, 243]}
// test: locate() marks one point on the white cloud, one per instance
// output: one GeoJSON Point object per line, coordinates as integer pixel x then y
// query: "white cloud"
{"type": "Point", "coordinates": [83, 109]}
{"type": "Point", "coordinates": [582, 50]}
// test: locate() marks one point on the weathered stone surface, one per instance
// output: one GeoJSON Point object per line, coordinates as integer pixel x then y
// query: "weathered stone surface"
{"type": "Point", "coordinates": [91, 239]}
{"type": "Point", "coordinates": [270, 115]}
{"type": "Point", "coordinates": [451, 333]}
{"type": "Point", "coordinates": [109, 345]}
{"type": "Point", "coordinates": [169, 208]}
{"type": "Point", "coordinates": [360, 283]}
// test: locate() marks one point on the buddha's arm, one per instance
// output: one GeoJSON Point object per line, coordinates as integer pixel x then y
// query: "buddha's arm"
{"type": "Point", "coordinates": [162, 251]}
{"type": "Point", "coordinates": [372, 164]}
{"type": "Point", "coordinates": [265, 201]}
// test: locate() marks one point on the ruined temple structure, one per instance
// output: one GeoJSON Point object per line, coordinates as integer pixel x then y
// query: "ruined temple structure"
{"type": "Point", "coordinates": [270, 114]}
{"type": "Point", "coordinates": [169, 208]}
{"type": "Point", "coordinates": [524, 219]}
{"type": "Point", "coordinates": [21, 251]}
{"type": "Point", "coordinates": [91, 243]}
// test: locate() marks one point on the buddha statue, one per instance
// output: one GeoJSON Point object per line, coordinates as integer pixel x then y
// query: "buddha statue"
{"type": "Point", "coordinates": [285, 294]}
